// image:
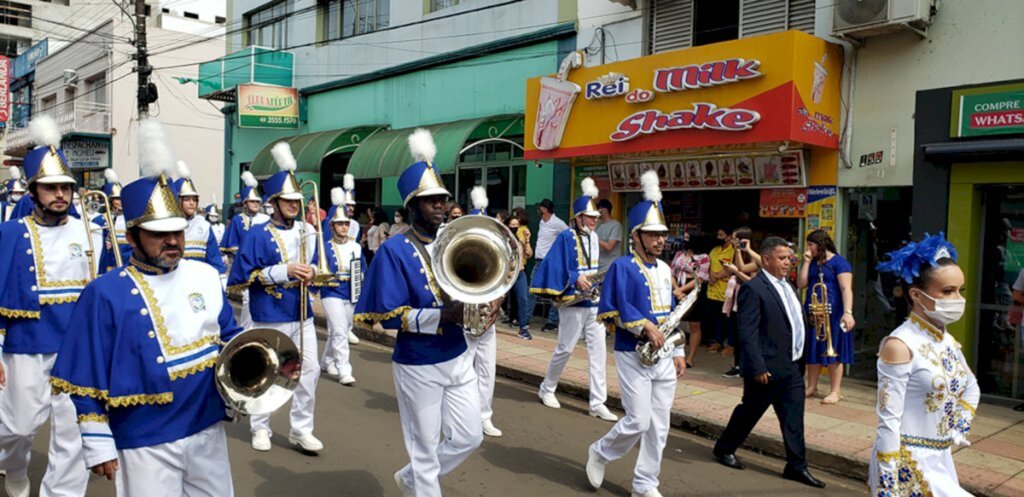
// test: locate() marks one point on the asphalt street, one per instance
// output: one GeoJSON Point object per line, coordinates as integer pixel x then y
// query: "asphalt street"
{"type": "Point", "coordinates": [543, 451]}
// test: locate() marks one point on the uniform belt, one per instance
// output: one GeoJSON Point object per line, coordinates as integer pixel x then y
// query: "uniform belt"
{"type": "Point", "coordinates": [926, 443]}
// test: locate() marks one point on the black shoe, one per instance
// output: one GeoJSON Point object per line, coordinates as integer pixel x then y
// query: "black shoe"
{"type": "Point", "coordinates": [549, 327]}
{"type": "Point", "coordinates": [729, 460]}
{"type": "Point", "coordinates": [733, 372]}
{"type": "Point", "coordinates": [1019, 407]}
{"type": "Point", "coordinates": [803, 476]}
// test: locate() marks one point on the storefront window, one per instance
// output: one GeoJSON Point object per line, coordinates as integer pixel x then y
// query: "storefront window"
{"type": "Point", "coordinates": [498, 166]}
{"type": "Point", "coordinates": [999, 363]}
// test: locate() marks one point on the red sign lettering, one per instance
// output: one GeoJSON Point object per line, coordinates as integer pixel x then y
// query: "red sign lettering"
{"type": "Point", "coordinates": [702, 116]}
{"type": "Point", "coordinates": [713, 73]}
{"type": "Point", "coordinates": [997, 119]}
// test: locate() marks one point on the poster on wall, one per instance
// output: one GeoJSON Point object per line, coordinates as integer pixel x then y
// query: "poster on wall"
{"type": "Point", "coordinates": [720, 171]}
{"type": "Point", "coordinates": [821, 209]}
{"type": "Point", "coordinates": [784, 203]}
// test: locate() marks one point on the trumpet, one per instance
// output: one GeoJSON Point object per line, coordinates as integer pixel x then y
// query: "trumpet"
{"type": "Point", "coordinates": [475, 260]}
{"type": "Point", "coordinates": [820, 310]}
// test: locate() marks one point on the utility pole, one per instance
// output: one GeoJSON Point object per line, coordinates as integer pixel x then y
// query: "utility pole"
{"type": "Point", "coordinates": [146, 91]}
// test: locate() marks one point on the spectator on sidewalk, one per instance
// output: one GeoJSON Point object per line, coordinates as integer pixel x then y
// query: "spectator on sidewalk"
{"type": "Point", "coordinates": [455, 211]}
{"type": "Point", "coordinates": [609, 234]}
{"type": "Point", "coordinates": [400, 226]}
{"type": "Point", "coordinates": [720, 256]}
{"type": "Point", "coordinates": [519, 290]}
{"type": "Point", "coordinates": [550, 227]}
{"type": "Point", "coordinates": [688, 267]}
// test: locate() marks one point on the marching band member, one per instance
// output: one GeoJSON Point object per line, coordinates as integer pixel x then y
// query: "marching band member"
{"type": "Point", "coordinates": [636, 298]}
{"type": "Point", "coordinates": [152, 421]}
{"type": "Point", "coordinates": [216, 226]}
{"type": "Point", "coordinates": [200, 243]}
{"type": "Point", "coordinates": [46, 266]}
{"type": "Point", "coordinates": [927, 394]}
{"type": "Point", "coordinates": [345, 258]}
{"type": "Point", "coordinates": [239, 226]}
{"type": "Point", "coordinates": [349, 190]}
{"type": "Point", "coordinates": [438, 398]}
{"type": "Point", "coordinates": [270, 265]}
{"type": "Point", "coordinates": [112, 189]}
{"type": "Point", "coordinates": [573, 259]}
{"type": "Point", "coordinates": [484, 348]}
{"type": "Point", "coordinates": [15, 191]}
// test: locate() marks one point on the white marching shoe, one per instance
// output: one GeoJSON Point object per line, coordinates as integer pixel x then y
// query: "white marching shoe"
{"type": "Point", "coordinates": [16, 488]}
{"type": "Point", "coordinates": [490, 430]}
{"type": "Point", "coordinates": [347, 379]}
{"type": "Point", "coordinates": [307, 442]}
{"type": "Point", "coordinates": [331, 369]}
{"type": "Point", "coordinates": [650, 493]}
{"type": "Point", "coordinates": [602, 412]}
{"type": "Point", "coordinates": [353, 339]}
{"type": "Point", "coordinates": [549, 400]}
{"type": "Point", "coordinates": [261, 440]}
{"type": "Point", "coordinates": [406, 491]}
{"type": "Point", "coordinates": [595, 469]}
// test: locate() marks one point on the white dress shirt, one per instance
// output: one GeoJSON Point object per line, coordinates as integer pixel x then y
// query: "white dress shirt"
{"type": "Point", "coordinates": [792, 306]}
{"type": "Point", "coordinates": [546, 235]}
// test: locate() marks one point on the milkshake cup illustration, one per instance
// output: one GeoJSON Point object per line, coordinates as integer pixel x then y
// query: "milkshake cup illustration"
{"type": "Point", "coordinates": [820, 75]}
{"type": "Point", "coordinates": [555, 104]}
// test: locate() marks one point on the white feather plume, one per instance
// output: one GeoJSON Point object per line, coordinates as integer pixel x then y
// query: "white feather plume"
{"type": "Point", "coordinates": [110, 175]}
{"type": "Point", "coordinates": [155, 155]}
{"type": "Point", "coordinates": [44, 132]}
{"type": "Point", "coordinates": [649, 180]}
{"type": "Point", "coordinates": [348, 182]}
{"type": "Point", "coordinates": [213, 200]}
{"type": "Point", "coordinates": [478, 196]}
{"type": "Point", "coordinates": [282, 153]}
{"type": "Point", "coordinates": [182, 170]}
{"type": "Point", "coordinates": [15, 173]}
{"type": "Point", "coordinates": [589, 188]}
{"type": "Point", "coordinates": [421, 144]}
{"type": "Point", "coordinates": [249, 180]}
{"type": "Point", "coordinates": [337, 195]}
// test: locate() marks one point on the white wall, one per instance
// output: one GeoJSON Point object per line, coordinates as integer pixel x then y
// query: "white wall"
{"type": "Point", "coordinates": [623, 26]}
{"type": "Point", "coordinates": [968, 42]}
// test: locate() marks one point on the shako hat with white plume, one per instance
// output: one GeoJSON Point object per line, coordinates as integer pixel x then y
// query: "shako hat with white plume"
{"type": "Point", "coordinates": [112, 188]}
{"type": "Point", "coordinates": [149, 202]}
{"type": "Point", "coordinates": [338, 214]}
{"type": "Point", "coordinates": [46, 163]}
{"type": "Point", "coordinates": [478, 197]}
{"type": "Point", "coordinates": [421, 179]}
{"type": "Point", "coordinates": [648, 215]}
{"type": "Point", "coordinates": [183, 186]}
{"type": "Point", "coordinates": [585, 204]}
{"type": "Point", "coordinates": [249, 190]}
{"type": "Point", "coordinates": [283, 183]}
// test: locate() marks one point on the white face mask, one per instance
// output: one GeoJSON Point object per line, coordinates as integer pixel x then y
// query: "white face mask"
{"type": "Point", "coordinates": [947, 311]}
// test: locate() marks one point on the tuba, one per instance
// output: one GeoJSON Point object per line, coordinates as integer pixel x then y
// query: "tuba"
{"type": "Point", "coordinates": [258, 370]}
{"type": "Point", "coordinates": [820, 310]}
{"type": "Point", "coordinates": [648, 354]}
{"type": "Point", "coordinates": [475, 260]}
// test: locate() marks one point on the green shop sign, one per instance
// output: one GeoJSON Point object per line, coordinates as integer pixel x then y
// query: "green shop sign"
{"type": "Point", "coordinates": [262, 106]}
{"type": "Point", "coordinates": [995, 110]}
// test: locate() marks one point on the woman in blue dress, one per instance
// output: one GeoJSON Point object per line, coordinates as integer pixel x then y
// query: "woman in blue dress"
{"type": "Point", "coordinates": [822, 261]}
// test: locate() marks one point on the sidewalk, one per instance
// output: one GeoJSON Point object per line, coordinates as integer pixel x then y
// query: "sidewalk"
{"type": "Point", "coordinates": [839, 437]}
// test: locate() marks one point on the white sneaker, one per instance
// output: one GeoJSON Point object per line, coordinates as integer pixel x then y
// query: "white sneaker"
{"type": "Point", "coordinates": [490, 430]}
{"type": "Point", "coordinates": [331, 370]}
{"type": "Point", "coordinates": [650, 493]}
{"type": "Point", "coordinates": [406, 491]}
{"type": "Point", "coordinates": [347, 379]}
{"type": "Point", "coordinates": [16, 488]}
{"type": "Point", "coordinates": [307, 442]}
{"type": "Point", "coordinates": [595, 469]}
{"type": "Point", "coordinates": [549, 400]}
{"type": "Point", "coordinates": [261, 440]}
{"type": "Point", "coordinates": [602, 412]}
{"type": "Point", "coordinates": [353, 339]}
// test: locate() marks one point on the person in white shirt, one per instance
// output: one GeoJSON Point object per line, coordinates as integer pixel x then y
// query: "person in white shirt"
{"type": "Point", "coordinates": [550, 226]}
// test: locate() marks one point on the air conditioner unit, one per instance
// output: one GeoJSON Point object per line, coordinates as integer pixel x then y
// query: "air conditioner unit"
{"type": "Point", "coordinates": [860, 19]}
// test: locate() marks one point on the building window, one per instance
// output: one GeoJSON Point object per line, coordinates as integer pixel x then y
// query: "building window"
{"type": "Point", "coordinates": [191, 15]}
{"type": "Point", "coordinates": [47, 103]}
{"type": "Point", "coordinates": [219, 19]}
{"type": "Point", "coordinates": [676, 24]}
{"type": "Point", "coordinates": [715, 21]}
{"type": "Point", "coordinates": [16, 14]}
{"type": "Point", "coordinates": [344, 18]}
{"type": "Point", "coordinates": [436, 5]}
{"type": "Point", "coordinates": [268, 27]}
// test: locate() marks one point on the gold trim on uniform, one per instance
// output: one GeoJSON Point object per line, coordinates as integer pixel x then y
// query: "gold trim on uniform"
{"type": "Point", "coordinates": [193, 369]}
{"type": "Point", "coordinates": [92, 418]}
{"type": "Point", "coordinates": [158, 319]}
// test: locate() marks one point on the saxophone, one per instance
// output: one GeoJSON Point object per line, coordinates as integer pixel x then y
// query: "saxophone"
{"type": "Point", "coordinates": [648, 354]}
{"type": "Point", "coordinates": [580, 296]}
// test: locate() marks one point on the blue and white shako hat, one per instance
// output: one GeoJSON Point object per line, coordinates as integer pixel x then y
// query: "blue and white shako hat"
{"type": "Point", "coordinates": [249, 190]}
{"type": "Point", "coordinates": [15, 185]}
{"type": "Point", "coordinates": [338, 213]}
{"type": "Point", "coordinates": [478, 197]}
{"type": "Point", "coordinates": [212, 209]}
{"type": "Point", "coordinates": [349, 185]}
{"type": "Point", "coordinates": [420, 179]}
{"type": "Point", "coordinates": [648, 214]}
{"type": "Point", "coordinates": [149, 202]}
{"type": "Point", "coordinates": [46, 163]}
{"type": "Point", "coordinates": [585, 204]}
{"type": "Point", "coordinates": [183, 186]}
{"type": "Point", "coordinates": [283, 183]}
{"type": "Point", "coordinates": [112, 188]}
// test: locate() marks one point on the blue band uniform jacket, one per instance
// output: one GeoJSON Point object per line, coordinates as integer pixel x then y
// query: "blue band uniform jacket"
{"type": "Point", "coordinates": [238, 227]}
{"type": "Point", "coordinates": [107, 260]}
{"type": "Point", "coordinates": [572, 254]}
{"type": "Point", "coordinates": [201, 244]}
{"type": "Point", "coordinates": [633, 293]}
{"type": "Point", "coordinates": [340, 257]}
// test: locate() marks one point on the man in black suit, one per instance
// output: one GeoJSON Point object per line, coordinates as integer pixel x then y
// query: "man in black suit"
{"type": "Point", "coordinates": [771, 332]}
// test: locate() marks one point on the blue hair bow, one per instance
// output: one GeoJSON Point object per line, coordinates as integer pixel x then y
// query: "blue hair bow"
{"type": "Point", "coordinates": [907, 261]}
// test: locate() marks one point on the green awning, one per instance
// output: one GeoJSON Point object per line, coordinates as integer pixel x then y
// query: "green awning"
{"type": "Point", "coordinates": [387, 152]}
{"type": "Point", "coordinates": [309, 149]}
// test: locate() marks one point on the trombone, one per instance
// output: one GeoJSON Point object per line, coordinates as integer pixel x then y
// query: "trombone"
{"type": "Point", "coordinates": [110, 228]}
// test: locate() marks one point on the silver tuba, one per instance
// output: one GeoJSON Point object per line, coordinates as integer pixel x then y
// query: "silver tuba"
{"type": "Point", "coordinates": [258, 370]}
{"type": "Point", "coordinates": [648, 354]}
{"type": "Point", "coordinates": [475, 260]}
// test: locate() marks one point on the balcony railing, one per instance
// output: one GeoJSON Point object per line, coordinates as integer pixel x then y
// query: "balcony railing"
{"type": "Point", "coordinates": [77, 117]}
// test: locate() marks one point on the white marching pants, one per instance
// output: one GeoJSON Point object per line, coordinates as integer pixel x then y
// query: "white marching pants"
{"type": "Point", "coordinates": [647, 395]}
{"type": "Point", "coordinates": [194, 466]}
{"type": "Point", "coordinates": [484, 351]}
{"type": "Point", "coordinates": [245, 317]}
{"type": "Point", "coordinates": [304, 400]}
{"type": "Point", "coordinates": [25, 403]}
{"type": "Point", "coordinates": [339, 325]}
{"type": "Point", "coordinates": [572, 322]}
{"type": "Point", "coordinates": [439, 405]}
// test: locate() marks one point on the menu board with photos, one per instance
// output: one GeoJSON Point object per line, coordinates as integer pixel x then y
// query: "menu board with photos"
{"type": "Point", "coordinates": [784, 170]}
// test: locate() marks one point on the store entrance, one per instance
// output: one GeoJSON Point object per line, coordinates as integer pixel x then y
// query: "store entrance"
{"type": "Point", "coordinates": [999, 352]}
{"type": "Point", "coordinates": [728, 209]}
